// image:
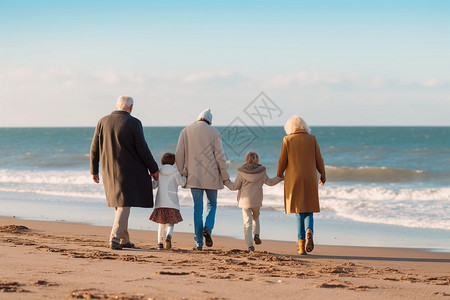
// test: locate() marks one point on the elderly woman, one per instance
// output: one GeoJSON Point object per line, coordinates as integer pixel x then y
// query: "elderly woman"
{"type": "Point", "coordinates": [300, 158]}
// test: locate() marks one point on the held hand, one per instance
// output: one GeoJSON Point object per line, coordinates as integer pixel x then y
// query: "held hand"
{"type": "Point", "coordinates": [322, 180]}
{"type": "Point", "coordinates": [225, 181]}
{"type": "Point", "coordinates": [155, 175]}
{"type": "Point", "coordinates": [96, 178]}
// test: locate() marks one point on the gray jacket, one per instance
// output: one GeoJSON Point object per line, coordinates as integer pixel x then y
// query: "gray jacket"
{"type": "Point", "coordinates": [249, 182]}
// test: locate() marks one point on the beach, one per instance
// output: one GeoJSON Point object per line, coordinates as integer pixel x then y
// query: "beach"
{"type": "Point", "coordinates": [383, 229]}
{"type": "Point", "coordinates": [386, 186]}
{"type": "Point", "coordinates": [61, 260]}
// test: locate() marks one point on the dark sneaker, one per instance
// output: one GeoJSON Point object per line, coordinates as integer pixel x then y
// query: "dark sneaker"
{"type": "Point", "coordinates": [169, 242]}
{"type": "Point", "coordinates": [115, 246]}
{"type": "Point", "coordinates": [127, 245]}
{"type": "Point", "coordinates": [198, 248]}
{"type": "Point", "coordinates": [251, 249]}
{"type": "Point", "coordinates": [207, 236]}
{"type": "Point", "coordinates": [161, 246]}
{"type": "Point", "coordinates": [257, 239]}
{"type": "Point", "coordinates": [309, 240]}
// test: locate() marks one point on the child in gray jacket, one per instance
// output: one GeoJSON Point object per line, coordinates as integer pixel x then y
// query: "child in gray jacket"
{"type": "Point", "coordinates": [249, 181]}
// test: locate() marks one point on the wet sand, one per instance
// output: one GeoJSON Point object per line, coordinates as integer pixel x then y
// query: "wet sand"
{"type": "Point", "coordinates": [58, 260]}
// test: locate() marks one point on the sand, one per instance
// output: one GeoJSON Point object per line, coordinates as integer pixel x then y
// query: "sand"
{"type": "Point", "coordinates": [58, 260]}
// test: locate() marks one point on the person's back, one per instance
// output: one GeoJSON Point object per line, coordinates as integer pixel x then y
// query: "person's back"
{"type": "Point", "coordinates": [169, 179]}
{"type": "Point", "coordinates": [200, 157]}
{"type": "Point", "coordinates": [200, 152]}
{"type": "Point", "coordinates": [304, 164]}
{"type": "Point", "coordinates": [125, 159]}
{"type": "Point", "coordinates": [300, 160]}
{"type": "Point", "coordinates": [119, 145]}
{"type": "Point", "coordinates": [249, 181]}
{"type": "Point", "coordinates": [167, 206]}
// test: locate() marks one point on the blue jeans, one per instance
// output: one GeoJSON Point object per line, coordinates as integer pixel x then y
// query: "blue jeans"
{"type": "Point", "coordinates": [303, 218]}
{"type": "Point", "coordinates": [211, 205]}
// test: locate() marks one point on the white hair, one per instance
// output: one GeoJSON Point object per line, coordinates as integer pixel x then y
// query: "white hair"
{"type": "Point", "coordinates": [124, 102]}
{"type": "Point", "coordinates": [296, 123]}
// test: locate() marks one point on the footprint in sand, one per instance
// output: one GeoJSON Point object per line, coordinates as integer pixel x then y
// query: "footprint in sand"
{"type": "Point", "coordinates": [11, 287]}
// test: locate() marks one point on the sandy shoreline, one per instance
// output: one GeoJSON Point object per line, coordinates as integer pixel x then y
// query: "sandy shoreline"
{"type": "Point", "coordinates": [57, 260]}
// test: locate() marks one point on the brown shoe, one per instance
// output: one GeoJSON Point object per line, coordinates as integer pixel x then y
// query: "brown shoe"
{"type": "Point", "coordinates": [168, 242]}
{"type": "Point", "coordinates": [127, 245]}
{"type": "Point", "coordinates": [207, 236]}
{"type": "Point", "coordinates": [309, 240]}
{"type": "Point", "coordinates": [301, 247]}
{"type": "Point", "coordinates": [115, 246]}
{"type": "Point", "coordinates": [257, 239]}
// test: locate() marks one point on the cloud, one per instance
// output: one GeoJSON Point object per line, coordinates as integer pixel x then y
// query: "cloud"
{"type": "Point", "coordinates": [305, 79]}
{"type": "Point", "coordinates": [431, 82]}
{"type": "Point", "coordinates": [208, 77]}
{"type": "Point", "coordinates": [18, 74]}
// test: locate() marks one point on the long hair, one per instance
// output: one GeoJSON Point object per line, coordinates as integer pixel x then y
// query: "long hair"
{"type": "Point", "coordinates": [296, 123]}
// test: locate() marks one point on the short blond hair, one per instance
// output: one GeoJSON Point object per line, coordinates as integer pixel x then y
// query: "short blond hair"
{"type": "Point", "coordinates": [296, 123]}
{"type": "Point", "coordinates": [251, 158]}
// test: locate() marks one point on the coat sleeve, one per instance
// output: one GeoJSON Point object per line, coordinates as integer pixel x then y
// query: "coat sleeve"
{"type": "Point", "coordinates": [95, 151]}
{"type": "Point", "coordinates": [181, 180]}
{"type": "Point", "coordinates": [180, 153]}
{"type": "Point", "coordinates": [320, 165]}
{"type": "Point", "coordinates": [143, 151]}
{"type": "Point", "coordinates": [272, 181]}
{"type": "Point", "coordinates": [283, 160]}
{"type": "Point", "coordinates": [219, 156]}
{"type": "Point", "coordinates": [236, 185]}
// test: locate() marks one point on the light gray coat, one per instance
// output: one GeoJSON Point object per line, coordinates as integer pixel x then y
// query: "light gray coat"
{"type": "Point", "coordinates": [120, 147]}
{"type": "Point", "coordinates": [249, 182]}
{"type": "Point", "coordinates": [200, 157]}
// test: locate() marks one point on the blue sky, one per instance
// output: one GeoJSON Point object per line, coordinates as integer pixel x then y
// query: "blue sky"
{"type": "Point", "coordinates": [63, 63]}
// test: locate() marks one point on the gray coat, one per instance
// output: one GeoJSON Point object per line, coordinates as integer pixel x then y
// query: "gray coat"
{"type": "Point", "coordinates": [249, 182]}
{"type": "Point", "coordinates": [200, 157]}
{"type": "Point", "coordinates": [119, 145]}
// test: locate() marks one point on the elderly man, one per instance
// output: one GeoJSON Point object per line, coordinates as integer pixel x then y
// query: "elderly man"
{"type": "Point", "coordinates": [126, 161]}
{"type": "Point", "coordinates": [200, 157]}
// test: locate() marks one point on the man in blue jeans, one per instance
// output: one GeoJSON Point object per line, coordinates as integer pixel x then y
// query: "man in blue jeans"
{"type": "Point", "coordinates": [200, 157]}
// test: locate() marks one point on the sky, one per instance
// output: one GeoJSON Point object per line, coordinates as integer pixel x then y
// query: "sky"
{"type": "Point", "coordinates": [334, 63]}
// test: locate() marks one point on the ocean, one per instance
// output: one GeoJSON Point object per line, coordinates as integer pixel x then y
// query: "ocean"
{"type": "Point", "coordinates": [386, 186]}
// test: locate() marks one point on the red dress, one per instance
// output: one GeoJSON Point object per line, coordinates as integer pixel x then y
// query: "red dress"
{"type": "Point", "coordinates": [164, 215]}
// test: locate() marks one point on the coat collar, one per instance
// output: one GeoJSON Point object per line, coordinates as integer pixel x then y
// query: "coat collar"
{"type": "Point", "coordinates": [299, 131]}
{"type": "Point", "coordinates": [120, 112]}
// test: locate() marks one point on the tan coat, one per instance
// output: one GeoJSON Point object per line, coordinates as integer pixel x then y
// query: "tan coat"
{"type": "Point", "coordinates": [301, 159]}
{"type": "Point", "coordinates": [200, 157]}
{"type": "Point", "coordinates": [249, 182]}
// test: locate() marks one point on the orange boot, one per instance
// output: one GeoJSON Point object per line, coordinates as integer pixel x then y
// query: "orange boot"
{"type": "Point", "coordinates": [301, 247]}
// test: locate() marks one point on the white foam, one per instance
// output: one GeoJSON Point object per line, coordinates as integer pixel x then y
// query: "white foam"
{"type": "Point", "coordinates": [410, 207]}
{"type": "Point", "coordinates": [52, 177]}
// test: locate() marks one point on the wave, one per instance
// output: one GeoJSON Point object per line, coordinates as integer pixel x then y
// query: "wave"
{"type": "Point", "coordinates": [377, 174]}
{"type": "Point", "coordinates": [334, 174]}
{"type": "Point", "coordinates": [45, 177]}
{"type": "Point", "coordinates": [388, 204]}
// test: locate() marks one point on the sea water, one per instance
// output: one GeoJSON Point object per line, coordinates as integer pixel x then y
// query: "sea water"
{"type": "Point", "coordinates": [386, 186]}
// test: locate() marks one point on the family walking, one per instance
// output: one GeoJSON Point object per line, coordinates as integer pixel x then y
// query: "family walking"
{"type": "Point", "coordinates": [199, 164]}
